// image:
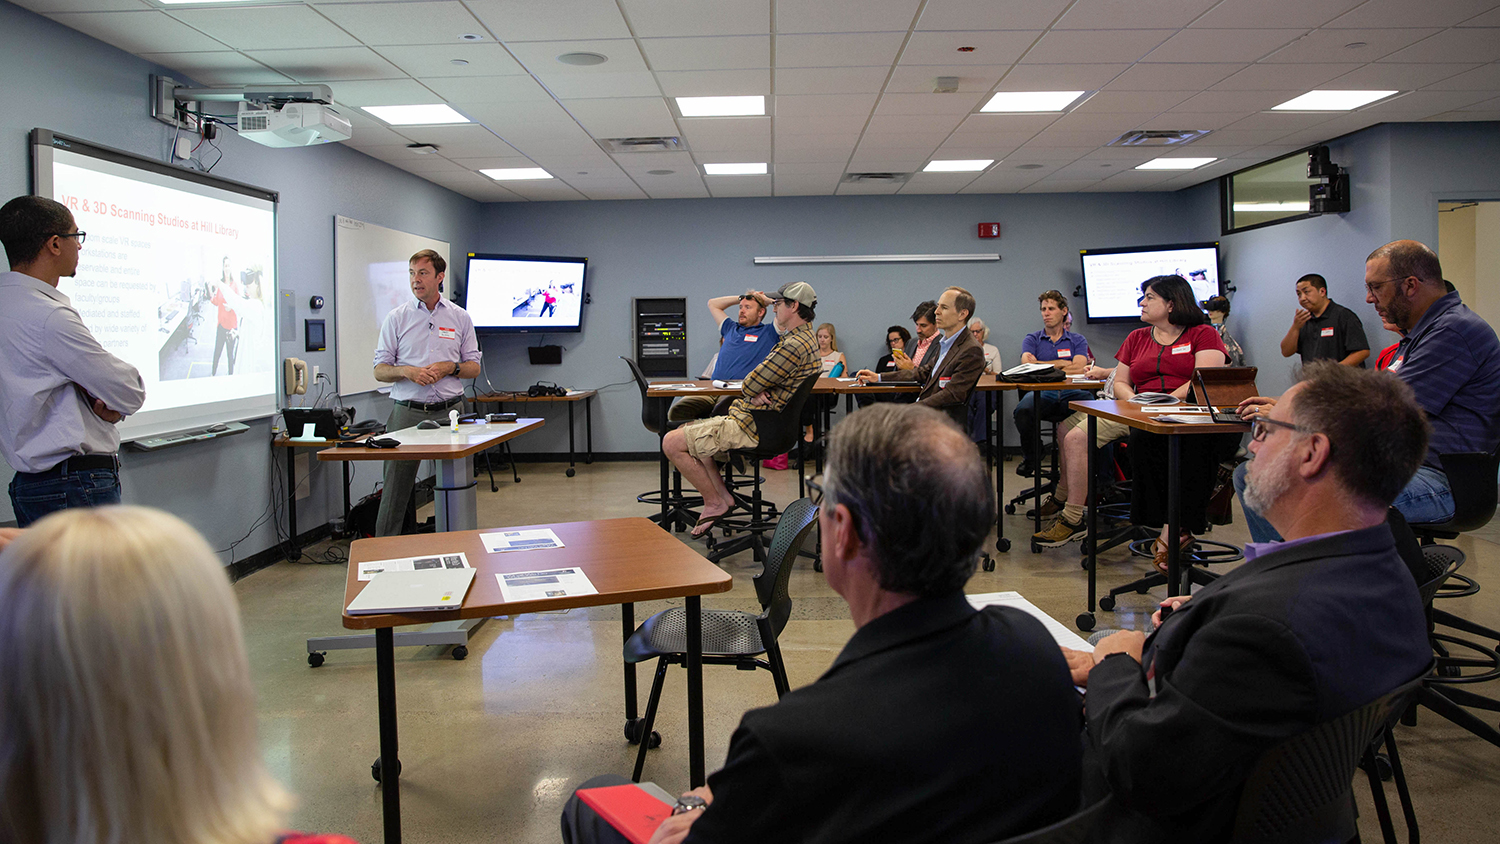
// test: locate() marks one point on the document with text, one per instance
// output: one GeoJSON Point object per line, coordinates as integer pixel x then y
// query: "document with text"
{"type": "Point", "coordinates": [540, 585]}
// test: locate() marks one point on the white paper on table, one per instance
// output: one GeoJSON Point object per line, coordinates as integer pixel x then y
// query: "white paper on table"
{"type": "Point", "coordinates": [676, 387]}
{"type": "Point", "coordinates": [1060, 634]}
{"type": "Point", "coordinates": [1186, 420]}
{"type": "Point", "coordinates": [539, 585]}
{"type": "Point", "coordinates": [520, 540]}
{"type": "Point", "coordinates": [729, 385]}
{"type": "Point", "coordinates": [1180, 408]}
{"type": "Point", "coordinates": [368, 570]}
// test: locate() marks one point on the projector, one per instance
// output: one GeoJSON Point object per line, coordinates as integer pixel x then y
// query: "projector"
{"type": "Point", "coordinates": [292, 125]}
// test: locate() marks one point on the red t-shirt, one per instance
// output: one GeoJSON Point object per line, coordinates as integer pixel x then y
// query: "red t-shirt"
{"type": "Point", "coordinates": [1162, 369]}
{"type": "Point", "coordinates": [1383, 361]}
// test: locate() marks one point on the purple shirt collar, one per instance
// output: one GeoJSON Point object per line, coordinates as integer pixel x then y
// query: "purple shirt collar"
{"type": "Point", "coordinates": [1255, 549]}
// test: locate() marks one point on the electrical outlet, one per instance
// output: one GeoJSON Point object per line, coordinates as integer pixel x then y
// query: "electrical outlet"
{"type": "Point", "coordinates": [315, 374]}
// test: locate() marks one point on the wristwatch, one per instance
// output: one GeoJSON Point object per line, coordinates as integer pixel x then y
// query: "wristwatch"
{"type": "Point", "coordinates": [456, 366]}
{"type": "Point", "coordinates": [689, 803]}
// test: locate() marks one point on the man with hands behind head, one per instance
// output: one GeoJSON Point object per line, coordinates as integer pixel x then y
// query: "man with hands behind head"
{"type": "Point", "coordinates": [426, 346]}
{"type": "Point", "coordinates": [744, 341]}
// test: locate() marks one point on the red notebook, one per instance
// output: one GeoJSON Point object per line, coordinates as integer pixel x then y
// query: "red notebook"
{"type": "Point", "coordinates": [630, 809]}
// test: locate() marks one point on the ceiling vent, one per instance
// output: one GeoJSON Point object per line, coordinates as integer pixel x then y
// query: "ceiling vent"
{"type": "Point", "coordinates": [623, 145]}
{"type": "Point", "coordinates": [1158, 138]}
{"type": "Point", "coordinates": [875, 178]}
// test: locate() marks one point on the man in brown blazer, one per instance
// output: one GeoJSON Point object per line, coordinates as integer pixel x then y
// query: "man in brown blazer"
{"type": "Point", "coordinates": [948, 373]}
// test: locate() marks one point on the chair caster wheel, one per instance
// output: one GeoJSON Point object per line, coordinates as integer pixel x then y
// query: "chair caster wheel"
{"type": "Point", "coordinates": [1010, 509]}
{"type": "Point", "coordinates": [460, 651]}
{"type": "Point", "coordinates": [375, 769]}
{"type": "Point", "coordinates": [570, 473]}
{"type": "Point", "coordinates": [989, 563]}
{"type": "Point", "coordinates": [1086, 547]}
{"type": "Point", "coordinates": [1036, 547]}
{"type": "Point", "coordinates": [315, 659]}
{"type": "Point", "coordinates": [1143, 590]}
{"type": "Point", "coordinates": [653, 742]}
{"type": "Point", "coordinates": [817, 565]}
{"type": "Point", "coordinates": [1107, 603]}
{"type": "Point", "coordinates": [633, 729]}
{"type": "Point", "coordinates": [1084, 621]}
{"type": "Point", "coordinates": [1002, 545]}
{"type": "Point", "coordinates": [1449, 671]}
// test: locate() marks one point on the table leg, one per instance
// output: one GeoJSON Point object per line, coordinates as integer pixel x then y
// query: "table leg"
{"type": "Point", "coordinates": [848, 403]}
{"type": "Point", "coordinates": [345, 467]}
{"type": "Point", "coordinates": [696, 774]}
{"type": "Point", "coordinates": [1093, 505]}
{"type": "Point", "coordinates": [992, 398]}
{"type": "Point", "coordinates": [665, 481]}
{"type": "Point", "coordinates": [989, 426]}
{"type": "Point", "coordinates": [390, 763]}
{"type": "Point", "coordinates": [457, 499]}
{"type": "Point", "coordinates": [588, 427]}
{"type": "Point", "coordinates": [1174, 512]}
{"type": "Point", "coordinates": [294, 551]}
{"type": "Point", "coordinates": [1036, 479]}
{"type": "Point", "coordinates": [627, 627]}
{"type": "Point", "coordinates": [570, 437]}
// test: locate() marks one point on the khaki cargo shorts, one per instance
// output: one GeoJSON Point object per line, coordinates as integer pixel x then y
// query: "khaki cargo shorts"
{"type": "Point", "coordinates": [717, 435]}
{"type": "Point", "coordinates": [1107, 432]}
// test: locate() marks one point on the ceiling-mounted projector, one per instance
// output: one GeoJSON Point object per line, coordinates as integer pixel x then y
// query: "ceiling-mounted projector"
{"type": "Point", "coordinates": [292, 124]}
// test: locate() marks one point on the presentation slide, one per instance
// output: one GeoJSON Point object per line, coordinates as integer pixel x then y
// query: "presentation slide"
{"type": "Point", "coordinates": [177, 278]}
{"type": "Point", "coordinates": [1112, 280]}
{"type": "Point", "coordinates": [525, 294]}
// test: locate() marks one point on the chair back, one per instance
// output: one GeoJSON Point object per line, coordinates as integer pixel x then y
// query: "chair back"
{"type": "Point", "coordinates": [650, 412]}
{"type": "Point", "coordinates": [778, 430]}
{"type": "Point", "coordinates": [1472, 478]}
{"type": "Point", "coordinates": [792, 529]}
{"type": "Point", "coordinates": [1299, 790]}
{"type": "Point", "coordinates": [1074, 829]}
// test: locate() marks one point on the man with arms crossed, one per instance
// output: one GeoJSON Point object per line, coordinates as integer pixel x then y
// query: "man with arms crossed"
{"type": "Point", "coordinates": [1304, 632]}
{"type": "Point", "coordinates": [62, 393]}
{"type": "Point", "coordinates": [426, 346]}
{"type": "Point", "coordinates": [1062, 348]}
{"type": "Point", "coordinates": [769, 386]}
{"type": "Point", "coordinates": [744, 343]}
{"type": "Point", "coordinates": [937, 722]}
{"type": "Point", "coordinates": [948, 372]}
{"type": "Point", "coordinates": [1322, 329]}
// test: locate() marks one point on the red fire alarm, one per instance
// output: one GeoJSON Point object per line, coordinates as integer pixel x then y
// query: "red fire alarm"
{"type": "Point", "coordinates": [989, 229]}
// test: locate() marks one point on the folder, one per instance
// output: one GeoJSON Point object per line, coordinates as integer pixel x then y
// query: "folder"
{"type": "Point", "coordinates": [631, 809]}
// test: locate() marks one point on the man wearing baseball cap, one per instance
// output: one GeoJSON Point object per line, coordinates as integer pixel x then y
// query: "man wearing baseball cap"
{"type": "Point", "coordinates": [769, 386]}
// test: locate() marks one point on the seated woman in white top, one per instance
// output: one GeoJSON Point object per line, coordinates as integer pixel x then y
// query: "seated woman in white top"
{"type": "Point", "coordinates": [981, 333]}
{"type": "Point", "coordinates": [828, 351]}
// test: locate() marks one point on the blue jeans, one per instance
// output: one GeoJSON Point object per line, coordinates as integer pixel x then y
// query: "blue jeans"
{"type": "Point", "coordinates": [34, 496]}
{"type": "Point", "coordinates": [1425, 499]}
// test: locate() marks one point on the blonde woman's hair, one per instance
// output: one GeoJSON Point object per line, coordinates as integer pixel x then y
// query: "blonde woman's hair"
{"type": "Point", "coordinates": [833, 336]}
{"type": "Point", "coordinates": [126, 709]}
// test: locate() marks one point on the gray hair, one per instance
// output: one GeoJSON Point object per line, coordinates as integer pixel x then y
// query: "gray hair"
{"type": "Point", "coordinates": [1376, 431]}
{"type": "Point", "coordinates": [919, 494]}
{"type": "Point", "coordinates": [977, 324]}
{"type": "Point", "coordinates": [1411, 258]}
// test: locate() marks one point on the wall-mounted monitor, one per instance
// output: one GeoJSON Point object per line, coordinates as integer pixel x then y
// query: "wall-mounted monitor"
{"type": "Point", "coordinates": [517, 294]}
{"type": "Point", "coordinates": [1112, 277]}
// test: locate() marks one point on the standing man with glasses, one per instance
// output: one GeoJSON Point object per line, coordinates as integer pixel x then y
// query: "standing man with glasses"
{"type": "Point", "coordinates": [1448, 355]}
{"type": "Point", "coordinates": [62, 392]}
{"type": "Point", "coordinates": [426, 346]}
{"type": "Point", "coordinates": [1322, 329]}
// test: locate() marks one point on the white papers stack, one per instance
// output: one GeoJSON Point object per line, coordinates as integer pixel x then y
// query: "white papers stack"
{"type": "Point", "coordinates": [1060, 634]}
{"type": "Point", "coordinates": [539, 585]}
{"type": "Point", "coordinates": [368, 570]}
{"type": "Point", "coordinates": [520, 540]}
{"type": "Point", "coordinates": [1198, 419]}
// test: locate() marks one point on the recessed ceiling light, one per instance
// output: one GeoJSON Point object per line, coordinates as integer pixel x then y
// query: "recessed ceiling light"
{"type": "Point", "coordinates": [1175, 163]}
{"type": "Point", "coordinates": [416, 115]}
{"type": "Point", "coordinates": [1031, 101]}
{"type": "Point", "coordinates": [958, 165]}
{"type": "Point", "coordinates": [1271, 206]}
{"type": "Point", "coordinates": [459, 62]}
{"type": "Point", "coordinates": [1332, 100]}
{"type": "Point", "coordinates": [582, 59]}
{"type": "Point", "coordinates": [514, 174]}
{"type": "Point", "coordinates": [470, 36]}
{"type": "Point", "coordinates": [749, 168]}
{"type": "Point", "coordinates": [721, 106]}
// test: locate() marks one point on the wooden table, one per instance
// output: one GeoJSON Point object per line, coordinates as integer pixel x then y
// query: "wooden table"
{"type": "Point", "coordinates": [585, 396]}
{"type": "Point", "coordinates": [1134, 415]}
{"type": "Point", "coordinates": [294, 551]}
{"type": "Point", "coordinates": [627, 560]}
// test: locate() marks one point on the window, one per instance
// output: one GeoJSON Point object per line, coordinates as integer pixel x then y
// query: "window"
{"type": "Point", "coordinates": [1274, 192]}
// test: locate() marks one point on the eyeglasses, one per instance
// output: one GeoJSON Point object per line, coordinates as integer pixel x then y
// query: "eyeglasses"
{"type": "Point", "coordinates": [1371, 287]}
{"type": "Point", "coordinates": [1260, 428]}
{"type": "Point", "coordinates": [80, 235]}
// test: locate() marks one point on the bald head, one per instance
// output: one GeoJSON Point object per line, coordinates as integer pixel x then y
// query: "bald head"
{"type": "Point", "coordinates": [1410, 259]}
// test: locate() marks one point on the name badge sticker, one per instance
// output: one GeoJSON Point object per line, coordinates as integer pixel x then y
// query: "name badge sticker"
{"type": "Point", "coordinates": [943, 383]}
{"type": "Point", "coordinates": [1395, 364]}
{"type": "Point", "coordinates": [1184, 349]}
{"type": "Point", "coordinates": [447, 333]}
{"type": "Point", "coordinates": [1063, 353]}
{"type": "Point", "coordinates": [751, 338]}
{"type": "Point", "coordinates": [1327, 332]}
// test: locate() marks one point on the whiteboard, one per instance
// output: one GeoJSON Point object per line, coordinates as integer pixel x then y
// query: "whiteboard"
{"type": "Point", "coordinates": [370, 279]}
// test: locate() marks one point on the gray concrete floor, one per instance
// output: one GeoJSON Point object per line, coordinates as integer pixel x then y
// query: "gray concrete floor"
{"type": "Point", "coordinates": [491, 746]}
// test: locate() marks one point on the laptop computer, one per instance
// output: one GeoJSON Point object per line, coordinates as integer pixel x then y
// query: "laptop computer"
{"type": "Point", "coordinates": [324, 423]}
{"type": "Point", "coordinates": [1222, 388]}
{"type": "Point", "coordinates": [413, 591]}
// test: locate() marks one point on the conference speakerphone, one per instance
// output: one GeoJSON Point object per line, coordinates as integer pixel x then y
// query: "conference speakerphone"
{"type": "Point", "coordinates": [223, 429]}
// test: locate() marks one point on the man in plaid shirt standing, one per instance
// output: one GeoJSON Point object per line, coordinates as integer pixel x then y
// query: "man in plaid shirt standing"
{"type": "Point", "coordinates": [769, 386]}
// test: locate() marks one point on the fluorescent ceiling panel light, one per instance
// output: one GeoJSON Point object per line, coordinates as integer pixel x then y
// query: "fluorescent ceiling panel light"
{"type": "Point", "coordinates": [971, 165]}
{"type": "Point", "coordinates": [1271, 206]}
{"type": "Point", "coordinates": [749, 168]}
{"type": "Point", "coordinates": [1031, 101]}
{"type": "Point", "coordinates": [721, 106]}
{"type": "Point", "coordinates": [416, 115]}
{"type": "Point", "coordinates": [1175, 163]}
{"type": "Point", "coordinates": [516, 174]}
{"type": "Point", "coordinates": [1332, 100]}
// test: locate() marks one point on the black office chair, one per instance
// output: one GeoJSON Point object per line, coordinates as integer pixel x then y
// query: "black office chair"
{"type": "Point", "coordinates": [1074, 829]}
{"type": "Point", "coordinates": [680, 513]}
{"type": "Point", "coordinates": [777, 432]}
{"type": "Point", "coordinates": [729, 637]}
{"type": "Point", "coordinates": [1471, 477]}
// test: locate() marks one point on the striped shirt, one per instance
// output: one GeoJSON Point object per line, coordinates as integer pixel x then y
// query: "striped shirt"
{"type": "Point", "coordinates": [791, 361]}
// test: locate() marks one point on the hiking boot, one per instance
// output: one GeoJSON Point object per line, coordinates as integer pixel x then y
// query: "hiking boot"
{"type": "Point", "coordinates": [1051, 507]}
{"type": "Point", "coordinates": [1061, 533]}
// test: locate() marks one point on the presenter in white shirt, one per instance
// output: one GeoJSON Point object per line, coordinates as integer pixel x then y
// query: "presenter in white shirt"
{"type": "Point", "coordinates": [61, 391]}
{"type": "Point", "coordinates": [426, 346]}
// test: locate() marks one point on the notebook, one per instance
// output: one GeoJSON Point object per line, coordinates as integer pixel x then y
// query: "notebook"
{"type": "Point", "coordinates": [413, 591]}
{"type": "Point", "coordinates": [634, 810]}
{"type": "Point", "coordinates": [1224, 387]}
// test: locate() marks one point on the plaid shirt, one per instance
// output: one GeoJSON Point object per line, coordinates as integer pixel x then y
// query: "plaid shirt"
{"type": "Point", "coordinates": [791, 361]}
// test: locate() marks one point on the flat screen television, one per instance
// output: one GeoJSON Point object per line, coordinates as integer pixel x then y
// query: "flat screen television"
{"type": "Point", "coordinates": [1112, 277]}
{"type": "Point", "coordinates": [519, 294]}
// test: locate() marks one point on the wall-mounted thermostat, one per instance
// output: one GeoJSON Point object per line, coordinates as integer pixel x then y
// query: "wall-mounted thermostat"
{"type": "Point", "coordinates": [316, 339]}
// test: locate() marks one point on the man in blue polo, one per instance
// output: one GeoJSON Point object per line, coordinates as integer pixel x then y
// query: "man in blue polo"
{"type": "Point", "coordinates": [1056, 345]}
{"type": "Point", "coordinates": [1448, 355]}
{"type": "Point", "coordinates": [744, 342]}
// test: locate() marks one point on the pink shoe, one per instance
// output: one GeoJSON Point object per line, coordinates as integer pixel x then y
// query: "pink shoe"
{"type": "Point", "coordinates": [778, 462]}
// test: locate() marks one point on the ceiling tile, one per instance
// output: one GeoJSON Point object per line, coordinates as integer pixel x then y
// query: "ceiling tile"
{"type": "Point", "coordinates": [1122, 102]}
{"type": "Point", "coordinates": [495, 162]}
{"type": "Point", "coordinates": [266, 27]}
{"type": "Point", "coordinates": [921, 79]}
{"type": "Point", "coordinates": [43, 7]}
{"type": "Point", "coordinates": [425, 164]}
{"type": "Point", "coordinates": [370, 132]}
{"type": "Point", "coordinates": [139, 32]}
{"type": "Point", "coordinates": [470, 141]}
{"type": "Point", "coordinates": [1111, 14]}
{"type": "Point", "coordinates": [578, 86]}
{"type": "Point", "coordinates": [484, 59]}
{"type": "Point", "coordinates": [1484, 78]}
{"type": "Point", "coordinates": [1401, 77]}
{"type": "Point", "coordinates": [816, 106]}
{"type": "Point", "coordinates": [739, 185]}
{"type": "Point", "coordinates": [1075, 138]}
{"type": "Point", "coordinates": [1278, 121]}
{"type": "Point", "coordinates": [332, 63]}
{"type": "Point", "coordinates": [405, 23]}
{"type": "Point", "coordinates": [936, 184]}
{"type": "Point", "coordinates": [541, 56]}
{"type": "Point", "coordinates": [1211, 45]}
{"type": "Point", "coordinates": [528, 20]}
{"type": "Point", "coordinates": [626, 190]}
{"type": "Point", "coordinates": [1401, 14]}
{"type": "Point", "coordinates": [1490, 18]}
{"type": "Point", "coordinates": [868, 188]}
{"type": "Point", "coordinates": [937, 104]}
{"type": "Point", "coordinates": [642, 163]}
{"type": "Point", "coordinates": [990, 48]}
{"type": "Point", "coordinates": [636, 117]}
{"type": "Point", "coordinates": [1210, 120]}
{"type": "Point", "coordinates": [1147, 76]}
{"type": "Point", "coordinates": [597, 167]}
{"type": "Point", "coordinates": [704, 133]}
{"type": "Point", "coordinates": [217, 68]}
{"type": "Point", "coordinates": [904, 142]}
{"type": "Point", "coordinates": [811, 155]}
{"type": "Point", "coordinates": [540, 115]}
{"type": "Point", "coordinates": [672, 190]}
{"type": "Point", "coordinates": [1425, 103]}
{"type": "Point", "coordinates": [838, 51]}
{"type": "Point", "coordinates": [811, 169]}
{"type": "Point", "coordinates": [832, 80]}
{"type": "Point", "coordinates": [488, 89]}
{"type": "Point", "coordinates": [1331, 45]}
{"type": "Point", "coordinates": [1453, 45]}
{"type": "Point", "coordinates": [833, 124]}
{"type": "Point", "coordinates": [837, 146]}
{"type": "Point", "coordinates": [1100, 46]}
{"type": "Point", "coordinates": [990, 14]}
{"type": "Point", "coordinates": [799, 185]}
{"type": "Point", "coordinates": [727, 53]}
{"type": "Point", "coordinates": [381, 92]}
{"type": "Point", "coordinates": [1238, 101]}
{"type": "Point", "coordinates": [865, 16]}
{"type": "Point", "coordinates": [1261, 77]}
{"type": "Point", "coordinates": [992, 123]}
{"type": "Point", "coordinates": [715, 83]}
{"type": "Point", "coordinates": [889, 160]}
{"type": "Point", "coordinates": [920, 124]}
{"type": "Point", "coordinates": [1060, 77]}
{"type": "Point", "coordinates": [1253, 14]}
{"type": "Point", "coordinates": [1117, 122]}
{"type": "Point", "coordinates": [544, 190]}
{"type": "Point", "coordinates": [654, 18]}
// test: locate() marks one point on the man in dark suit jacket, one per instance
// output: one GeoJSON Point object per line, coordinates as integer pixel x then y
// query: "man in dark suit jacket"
{"type": "Point", "coordinates": [937, 722]}
{"type": "Point", "coordinates": [1305, 631]}
{"type": "Point", "coordinates": [952, 365]}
